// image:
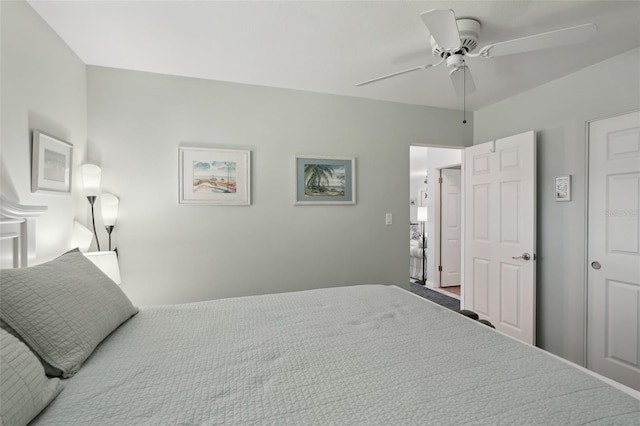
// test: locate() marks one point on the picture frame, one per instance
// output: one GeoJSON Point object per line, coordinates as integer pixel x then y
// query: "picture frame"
{"type": "Point", "coordinates": [324, 180]}
{"type": "Point", "coordinates": [562, 188]}
{"type": "Point", "coordinates": [51, 164]}
{"type": "Point", "coordinates": [215, 176]}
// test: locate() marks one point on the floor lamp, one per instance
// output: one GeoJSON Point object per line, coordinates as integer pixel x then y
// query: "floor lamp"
{"type": "Point", "coordinates": [91, 181]}
{"type": "Point", "coordinates": [423, 217]}
{"type": "Point", "coordinates": [109, 203]}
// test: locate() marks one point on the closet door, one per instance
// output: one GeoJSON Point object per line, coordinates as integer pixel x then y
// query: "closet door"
{"type": "Point", "coordinates": [613, 304]}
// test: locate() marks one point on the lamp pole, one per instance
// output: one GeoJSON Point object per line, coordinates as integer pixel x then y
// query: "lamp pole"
{"type": "Point", "coordinates": [424, 255]}
{"type": "Point", "coordinates": [92, 200]}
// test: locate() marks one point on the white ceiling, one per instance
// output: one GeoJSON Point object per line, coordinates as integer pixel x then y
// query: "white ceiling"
{"type": "Point", "coordinates": [329, 46]}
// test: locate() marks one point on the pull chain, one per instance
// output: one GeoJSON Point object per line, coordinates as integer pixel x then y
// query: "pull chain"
{"type": "Point", "coordinates": [464, 93]}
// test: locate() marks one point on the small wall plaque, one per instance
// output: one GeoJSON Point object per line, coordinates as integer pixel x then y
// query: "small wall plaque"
{"type": "Point", "coordinates": [563, 188]}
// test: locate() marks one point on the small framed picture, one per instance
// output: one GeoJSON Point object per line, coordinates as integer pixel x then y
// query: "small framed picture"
{"type": "Point", "coordinates": [214, 176]}
{"type": "Point", "coordinates": [51, 163]}
{"type": "Point", "coordinates": [563, 188]}
{"type": "Point", "coordinates": [325, 180]}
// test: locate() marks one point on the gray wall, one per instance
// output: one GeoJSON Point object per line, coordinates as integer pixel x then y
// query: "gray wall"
{"type": "Point", "coordinates": [558, 112]}
{"type": "Point", "coordinates": [177, 253]}
{"type": "Point", "coordinates": [43, 87]}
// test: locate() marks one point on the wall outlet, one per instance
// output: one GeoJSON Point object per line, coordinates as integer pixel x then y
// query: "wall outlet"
{"type": "Point", "coordinates": [388, 219]}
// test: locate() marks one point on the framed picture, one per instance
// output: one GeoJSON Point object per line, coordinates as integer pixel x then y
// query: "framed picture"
{"type": "Point", "coordinates": [325, 180]}
{"type": "Point", "coordinates": [214, 176]}
{"type": "Point", "coordinates": [563, 188]}
{"type": "Point", "coordinates": [51, 163]}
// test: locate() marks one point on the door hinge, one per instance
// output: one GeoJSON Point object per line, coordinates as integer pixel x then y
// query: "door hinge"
{"type": "Point", "coordinates": [440, 268]}
{"type": "Point", "coordinates": [440, 180]}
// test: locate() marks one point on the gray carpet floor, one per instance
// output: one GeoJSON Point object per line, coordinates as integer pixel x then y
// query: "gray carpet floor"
{"type": "Point", "coordinates": [434, 296]}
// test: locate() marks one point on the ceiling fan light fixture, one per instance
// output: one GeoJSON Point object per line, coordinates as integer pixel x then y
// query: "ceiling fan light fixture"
{"type": "Point", "coordinates": [455, 61]}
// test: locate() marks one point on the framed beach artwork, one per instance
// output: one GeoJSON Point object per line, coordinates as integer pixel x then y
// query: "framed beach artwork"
{"type": "Point", "coordinates": [51, 163]}
{"type": "Point", "coordinates": [214, 176]}
{"type": "Point", "coordinates": [325, 180]}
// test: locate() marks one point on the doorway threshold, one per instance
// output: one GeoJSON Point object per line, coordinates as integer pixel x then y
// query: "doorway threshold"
{"type": "Point", "coordinates": [454, 292]}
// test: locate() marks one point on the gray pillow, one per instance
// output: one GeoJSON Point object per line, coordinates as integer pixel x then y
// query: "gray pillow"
{"type": "Point", "coordinates": [62, 309]}
{"type": "Point", "coordinates": [48, 369]}
{"type": "Point", "coordinates": [24, 389]}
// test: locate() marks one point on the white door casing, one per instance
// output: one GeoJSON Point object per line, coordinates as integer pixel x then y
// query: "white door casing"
{"type": "Point", "coordinates": [500, 233]}
{"type": "Point", "coordinates": [450, 225]}
{"type": "Point", "coordinates": [613, 277]}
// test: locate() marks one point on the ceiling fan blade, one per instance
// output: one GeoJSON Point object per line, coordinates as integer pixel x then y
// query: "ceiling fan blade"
{"type": "Point", "coordinates": [563, 37]}
{"type": "Point", "coordinates": [462, 80]}
{"type": "Point", "coordinates": [423, 67]}
{"type": "Point", "coordinates": [441, 23]}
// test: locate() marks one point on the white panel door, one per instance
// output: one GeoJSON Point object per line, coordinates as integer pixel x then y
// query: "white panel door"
{"type": "Point", "coordinates": [613, 298]}
{"type": "Point", "coordinates": [500, 233]}
{"type": "Point", "coordinates": [450, 227]}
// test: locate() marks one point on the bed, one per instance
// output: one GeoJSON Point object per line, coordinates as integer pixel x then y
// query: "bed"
{"type": "Point", "coordinates": [366, 354]}
{"type": "Point", "coordinates": [416, 252]}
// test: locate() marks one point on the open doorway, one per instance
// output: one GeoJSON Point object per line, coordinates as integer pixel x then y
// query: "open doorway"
{"type": "Point", "coordinates": [435, 250]}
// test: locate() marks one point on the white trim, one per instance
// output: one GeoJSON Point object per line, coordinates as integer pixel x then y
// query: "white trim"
{"type": "Point", "coordinates": [585, 296]}
{"type": "Point", "coordinates": [13, 213]}
{"type": "Point", "coordinates": [11, 209]}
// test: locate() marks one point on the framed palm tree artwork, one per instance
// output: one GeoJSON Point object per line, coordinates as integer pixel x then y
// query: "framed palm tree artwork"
{"type": "Point", "coordinates": [325, 180]}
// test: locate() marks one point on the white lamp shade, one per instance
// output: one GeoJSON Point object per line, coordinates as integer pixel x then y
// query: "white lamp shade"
{"type": "Point", "coordinates": [110, 204]}
{"type": "Point", "coordinates": [423, 214]}
{"type": "Point", "coordinates": [91, 178]}
{"type": "Point", "coordinates": [107, 261]}
{"type": "Point", "coordinates": [81, 237]}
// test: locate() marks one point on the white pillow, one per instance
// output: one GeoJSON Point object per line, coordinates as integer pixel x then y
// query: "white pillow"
{"type": "Point", "coordinates": [62, 309]}
{"type": "Point", "coordinates": [24, 389]}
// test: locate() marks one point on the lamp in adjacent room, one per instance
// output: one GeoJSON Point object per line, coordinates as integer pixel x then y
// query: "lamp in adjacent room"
{"type": "Point", "coordinates": [110, 204]}
{"type": "Point", "coordinates": [91, 181]}
{"type": "Point", "coordinates": [423, 217]}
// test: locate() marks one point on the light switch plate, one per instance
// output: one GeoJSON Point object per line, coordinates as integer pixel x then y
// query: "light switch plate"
{"type": "Point", "coordinates": [388, 219]}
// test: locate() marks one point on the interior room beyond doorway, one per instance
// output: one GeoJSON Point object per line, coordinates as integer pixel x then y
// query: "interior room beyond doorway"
{"type": "Point", "coordinates": [433, 197]}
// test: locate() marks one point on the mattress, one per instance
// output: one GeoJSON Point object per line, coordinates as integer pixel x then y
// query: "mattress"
{"type": "Point", "coordinates": [350, 355]}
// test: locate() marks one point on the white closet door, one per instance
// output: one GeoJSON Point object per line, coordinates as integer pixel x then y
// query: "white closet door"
{"type": "Point", "coordinates": [613, 307]}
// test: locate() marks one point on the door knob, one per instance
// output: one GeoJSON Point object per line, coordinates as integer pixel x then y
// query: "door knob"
{"type": "Point", "coordinates": [596, 265]}
{"type": "Point", "coordinates": [523, 256]}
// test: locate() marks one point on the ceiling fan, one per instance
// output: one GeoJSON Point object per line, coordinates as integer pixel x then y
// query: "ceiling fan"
{"type": "Point", "coordinates": [453, 40]}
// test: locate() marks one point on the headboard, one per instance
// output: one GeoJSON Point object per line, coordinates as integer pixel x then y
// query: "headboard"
{"type": "Point", "coordinates": [17, 228]}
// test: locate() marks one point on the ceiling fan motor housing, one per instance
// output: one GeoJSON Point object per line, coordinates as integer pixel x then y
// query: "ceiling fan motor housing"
{"type": "Point", "coordinates": [469, 30]}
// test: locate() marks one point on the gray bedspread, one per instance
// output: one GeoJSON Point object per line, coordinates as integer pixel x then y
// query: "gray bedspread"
{"type": "Point", "coordinates": [343, 356]}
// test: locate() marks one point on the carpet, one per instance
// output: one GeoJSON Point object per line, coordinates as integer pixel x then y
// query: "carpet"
{"type": "Point", "coordinates": [434, 296]}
